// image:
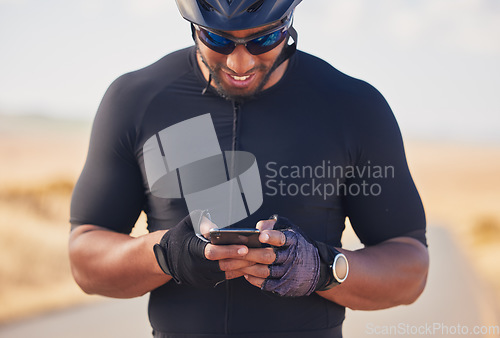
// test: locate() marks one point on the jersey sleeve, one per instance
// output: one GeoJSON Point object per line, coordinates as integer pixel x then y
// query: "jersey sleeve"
{"type": "Point", "coordinates": [109, 192]}
{"type": "Point", "coordinates": [381, 201]}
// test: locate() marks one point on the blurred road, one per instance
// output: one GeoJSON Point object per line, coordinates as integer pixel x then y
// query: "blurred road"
{"type": "Point", "coordinates": [108, 318]}
{"type": "Point", "coordinates": [454, 302]}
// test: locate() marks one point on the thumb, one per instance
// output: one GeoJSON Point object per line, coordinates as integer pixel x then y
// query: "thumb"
{"type": "Point", "coordinates": [268, 224]}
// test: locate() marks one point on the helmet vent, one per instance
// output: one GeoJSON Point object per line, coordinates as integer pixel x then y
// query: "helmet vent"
{"type": "Point", "coordinates": [255, 7]}
{"type": "Point", "coordinates": [206, 6]}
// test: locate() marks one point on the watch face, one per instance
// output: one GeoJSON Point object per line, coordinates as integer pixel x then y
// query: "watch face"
{"type": "Point", "coordinates": [340, 268]}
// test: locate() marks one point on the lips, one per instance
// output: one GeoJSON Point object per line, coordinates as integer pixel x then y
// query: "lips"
{"type": "Point", "coordinates": [239, 81]}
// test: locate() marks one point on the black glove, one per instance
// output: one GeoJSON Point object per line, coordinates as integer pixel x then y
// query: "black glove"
{"type": "Point", "coordinates": [181, 254]}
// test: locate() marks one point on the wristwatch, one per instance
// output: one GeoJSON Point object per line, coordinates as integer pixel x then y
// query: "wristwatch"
{"type": "Point", "coordinates": [334, 266]}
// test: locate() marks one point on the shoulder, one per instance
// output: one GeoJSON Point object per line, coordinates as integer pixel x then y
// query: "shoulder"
{"type": "Point", "coordinates": [355, 100]}
{"type": "Point", "coordinates": [129, 95]}
{"type": "Point", "coordinates": [328, 80]}
{"type": "Point", "coordinates": [153, 78]}
{"type": "Point", "coordinates": [358, 106]}
{"type": "Point", "coordinates": [121, 111]}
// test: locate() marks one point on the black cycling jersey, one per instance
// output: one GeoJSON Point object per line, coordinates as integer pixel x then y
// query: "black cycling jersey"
{"type": "Point", "coordinates": [327, 147]}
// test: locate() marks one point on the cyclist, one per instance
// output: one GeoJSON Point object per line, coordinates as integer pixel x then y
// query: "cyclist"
{"type": "Point", "coordinates": [327, 147]}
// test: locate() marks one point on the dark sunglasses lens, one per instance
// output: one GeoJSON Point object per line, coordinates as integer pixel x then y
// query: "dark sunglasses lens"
{"type": "Point", "coordinates": [264, 44]}
{"type": "Point", "coordinates": [216, 42]}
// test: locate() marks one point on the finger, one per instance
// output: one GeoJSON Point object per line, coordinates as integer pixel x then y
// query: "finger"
{"type": "Point", "coordinates": [257, 270]}
{"type": "Point", "coordinates": [218, 252]}
{"type": "Point", "coordinates": [261, 255]}
{"type": "Point", "coordinates": [283, 255]}
{"type": "Point", "coordinates": [273, 237]}
{"type": "Point", "coordinates": [267, 224]}
{"type": "Point", "coordinates": [234, 264]}
{"type": "Point", "coordinates": [255, 280]}
{"type": "Point", "coordinates": [234, 274]}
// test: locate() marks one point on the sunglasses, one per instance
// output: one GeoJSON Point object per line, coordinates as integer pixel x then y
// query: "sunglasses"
{"type": "Point", "coordinates": [256, 44]}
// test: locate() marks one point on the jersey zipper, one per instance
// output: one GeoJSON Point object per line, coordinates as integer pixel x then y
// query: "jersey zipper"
{"type": "Point", "coordinates": [234, 143]}
{"type": "Point", "coordinates": [231, 167]}
{"type": "Point", "coordinates": [236, 129]}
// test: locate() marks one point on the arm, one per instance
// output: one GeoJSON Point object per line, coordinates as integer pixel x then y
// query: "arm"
{"type": "Point", "coordinates": [388, 274]}
{"type": "Point", "coordinates": [118, 265]}
{"type": "Point", "coordinates": [113, 264]}
{"type": "Point", "coordinates": [391, 273]}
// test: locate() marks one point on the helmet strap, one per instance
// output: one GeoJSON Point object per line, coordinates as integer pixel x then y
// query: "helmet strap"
{"type": "Point", "coordinates": [289, 50]}
{"type": "Point", "coordinates": [208, 84]}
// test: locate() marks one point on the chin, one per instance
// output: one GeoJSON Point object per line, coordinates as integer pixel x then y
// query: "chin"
{"type": "Point", "coordinates": [237, 95]}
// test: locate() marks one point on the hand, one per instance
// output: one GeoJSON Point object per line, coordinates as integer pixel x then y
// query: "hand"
{"type": "Point", "coordinates": [230, 257]}
{"type": "Point", "coordinates": [291, 267]}
{"type": "Point", "coordinates": [227, 255]}
{"type": "Point", "coordinates": [192, 261]}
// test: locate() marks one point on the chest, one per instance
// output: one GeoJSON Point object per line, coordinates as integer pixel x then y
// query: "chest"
{"type": "Point", "coordinates": [296, 154]}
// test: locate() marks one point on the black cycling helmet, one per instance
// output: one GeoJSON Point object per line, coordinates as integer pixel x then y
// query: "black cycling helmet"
{"type": "Point", "coordinates": [230, 15]}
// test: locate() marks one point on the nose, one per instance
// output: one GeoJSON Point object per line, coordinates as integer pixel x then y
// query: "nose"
{"type": "Point", "coordinates": [240, 60]}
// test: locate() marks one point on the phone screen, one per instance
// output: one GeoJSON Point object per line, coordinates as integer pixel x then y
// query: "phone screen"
{"type": "Point", "coordinates": [248, 237]}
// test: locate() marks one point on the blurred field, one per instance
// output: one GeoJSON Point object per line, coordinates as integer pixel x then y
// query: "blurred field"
{"type": "Point", "coordinates": [40, 161]}
{"type": "Point", "coordinates": [460, 187]}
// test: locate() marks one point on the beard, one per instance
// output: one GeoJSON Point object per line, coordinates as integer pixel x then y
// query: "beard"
{"type": "Point", "coordinates": [214, 71]}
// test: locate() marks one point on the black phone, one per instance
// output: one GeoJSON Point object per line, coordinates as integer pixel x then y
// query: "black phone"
{"type": "Point", "coordinates": [224, 236]}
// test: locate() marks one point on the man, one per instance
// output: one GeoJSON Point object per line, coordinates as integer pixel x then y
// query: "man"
{"type": "Point", "coordinates": [327, 147]}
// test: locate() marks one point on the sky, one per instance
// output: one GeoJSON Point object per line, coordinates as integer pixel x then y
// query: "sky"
{"type": "Point", "coordinates": [437, 62]}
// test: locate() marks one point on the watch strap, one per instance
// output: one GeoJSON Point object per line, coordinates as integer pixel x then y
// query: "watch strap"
{"type": "Point", "coordinates": [327, 256]}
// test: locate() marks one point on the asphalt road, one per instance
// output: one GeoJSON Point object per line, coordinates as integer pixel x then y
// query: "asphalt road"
{"type": "Point", "coordinates": [454, 304]}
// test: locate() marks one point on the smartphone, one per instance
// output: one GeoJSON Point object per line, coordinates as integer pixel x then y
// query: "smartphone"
{"type": "Point", "coordinates": [248, 237]}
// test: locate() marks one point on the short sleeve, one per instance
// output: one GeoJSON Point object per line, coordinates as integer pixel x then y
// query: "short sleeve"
{"type": "Point", "coordinates": [381, 201]}
{"type": "Point", "coordinates": [109, 192]}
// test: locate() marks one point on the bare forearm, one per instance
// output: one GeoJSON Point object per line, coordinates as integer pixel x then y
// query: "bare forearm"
{"type": "Point", "coordinates": [389, 274]}
{"type": "Point", "coordinates": [112, 264]}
